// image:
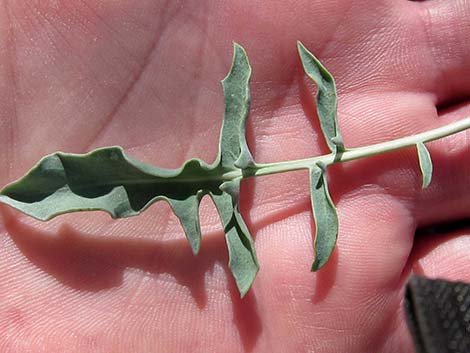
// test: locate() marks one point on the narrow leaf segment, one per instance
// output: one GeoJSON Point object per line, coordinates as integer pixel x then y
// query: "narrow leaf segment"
{"type": "Point", "coordinates": [233, 149]}
{"type": "Point", "coordinates": [326, 218]}
{"type": "Point", "coordinates": [326, 98]}
{"type": "Point", "coordinates": [425, 164]}
{"type": "Point", "coordinates": [242, 257]}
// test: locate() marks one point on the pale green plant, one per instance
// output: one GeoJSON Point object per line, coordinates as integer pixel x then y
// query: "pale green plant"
{"type": "Point", "coordinates": [107, 179]}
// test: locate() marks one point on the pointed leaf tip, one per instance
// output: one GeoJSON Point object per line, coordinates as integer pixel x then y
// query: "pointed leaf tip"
{"type": "Point", "coordinates": [240, 63]}
{"type": "Point", "coordinates": [300, 45]}
{"type": "Point", "coordinates": [237, 46]}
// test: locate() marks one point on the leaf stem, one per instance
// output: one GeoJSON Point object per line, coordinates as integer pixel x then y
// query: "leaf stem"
{"type": "Point", "coordinates": [351, 154]}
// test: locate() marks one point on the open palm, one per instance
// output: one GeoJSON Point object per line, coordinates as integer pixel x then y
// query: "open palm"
{"type": "Point", "coordinates": [145, 75]}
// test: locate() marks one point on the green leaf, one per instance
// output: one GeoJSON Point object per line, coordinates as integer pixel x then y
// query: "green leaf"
{"type": "Point", "coordinates": [425, 164]}
{"type": "Point", "coordinates": [108, 180]}
{"type": "Point", "coordinates": [242, 256]}
{"type": "Point", "coordinates": [326, 219]}
{"type": "Point", "coordinates": [326, 98]}
{"type": "Point", "coordinates": [234, 154]}
{"type": "Point", "coordinates": [233, 150]}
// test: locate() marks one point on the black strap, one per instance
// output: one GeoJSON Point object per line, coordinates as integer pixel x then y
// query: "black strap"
{"type": "Point", "coordinates": [438, 315]}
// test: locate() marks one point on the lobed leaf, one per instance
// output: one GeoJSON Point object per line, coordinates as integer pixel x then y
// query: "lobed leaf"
{"type": "Point", "coordinates": [234, 154]}
{"type": "Point", "coordinates": [425, 164]}
{"type": "Point", "coordinates": [108, 180]}
{"type": "Point", "coordinates": [326, 218]}
{"type": "Point", "coordinates": [326, 98]}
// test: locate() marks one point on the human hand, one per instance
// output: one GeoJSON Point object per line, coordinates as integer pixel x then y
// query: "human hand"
{"type": "Point", "coordinates": [145, 75]}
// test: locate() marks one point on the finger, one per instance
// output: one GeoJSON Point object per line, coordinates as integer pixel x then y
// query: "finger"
{"type": "Point", "coordinates": [448, 196]}
{"type": "Point", "coordinates": [358, 290]}
{"type": "Point", "coordinates": [389, 117]}
{"type": "Point", "coordinates": [443, 28]}
{"type": "Point", "coordinates": [376, 237]}
{"type": "Point", "coordinates": [440, 252]}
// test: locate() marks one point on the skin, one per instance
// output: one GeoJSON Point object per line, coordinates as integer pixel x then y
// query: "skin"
{"type": "Point", "coordinates": [145, 75]}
